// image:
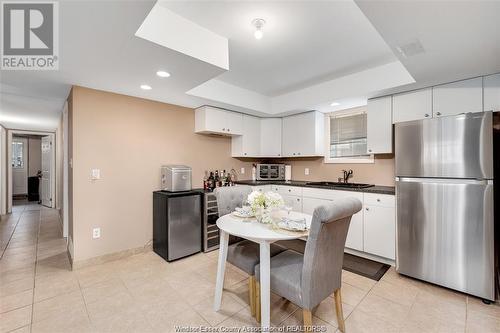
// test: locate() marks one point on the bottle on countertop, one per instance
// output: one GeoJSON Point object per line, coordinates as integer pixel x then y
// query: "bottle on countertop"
{"type": "Point", "coordinates": [216, 178]}
{"type": "Point", "coordinates": [205, 181]}
{"type": "Point", "coordinates": [211, 181]}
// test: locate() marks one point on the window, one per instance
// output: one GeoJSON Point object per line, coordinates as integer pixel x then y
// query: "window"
{"type": "Point", "coordinates": [17, 155]}
{"type": "Point", "coordinates": [347, 138]}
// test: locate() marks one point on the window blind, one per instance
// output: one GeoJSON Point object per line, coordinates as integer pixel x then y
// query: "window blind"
{"type": "Point", "coordinates": [348, 135]}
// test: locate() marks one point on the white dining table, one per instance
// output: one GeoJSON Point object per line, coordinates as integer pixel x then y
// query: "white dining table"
{"type": "Point", "coordinates": [264, 235]}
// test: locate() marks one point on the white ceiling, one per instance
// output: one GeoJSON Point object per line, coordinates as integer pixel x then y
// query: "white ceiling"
{"type": "Point", "coordinates": [310, 51]}
{"type": "Point", "coordinates": [304, 43]}
{"type": "Point", "coordinates": [461, 39]}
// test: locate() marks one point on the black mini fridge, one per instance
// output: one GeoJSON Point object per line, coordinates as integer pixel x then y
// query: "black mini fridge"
{"type": "Point", "coordinates": [177, 223]}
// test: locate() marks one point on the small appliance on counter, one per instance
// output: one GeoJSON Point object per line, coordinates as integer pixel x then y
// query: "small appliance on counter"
{"type": "Point", "coordinates": [175, 178]}
{"type": "Point", "coordinates": [177, 223]}
{"type": "Point", "coordinates": [270, 172]}
{"type": "Point", "coordinates": [288, 173]}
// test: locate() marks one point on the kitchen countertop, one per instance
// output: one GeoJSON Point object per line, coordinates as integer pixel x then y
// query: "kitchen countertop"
{"type": "Point", "coordinates": [374, 189]}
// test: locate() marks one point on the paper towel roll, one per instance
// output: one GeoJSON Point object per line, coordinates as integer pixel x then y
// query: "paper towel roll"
{"type": "Point", "coordinates": [288, 173]}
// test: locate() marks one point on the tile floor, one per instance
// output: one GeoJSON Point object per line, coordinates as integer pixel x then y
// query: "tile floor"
{"type": "Point", "coordinates": [143, 293]}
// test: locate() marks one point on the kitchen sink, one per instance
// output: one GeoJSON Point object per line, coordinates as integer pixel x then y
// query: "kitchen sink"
{"type": "Point", "coordinates": [338, 184]}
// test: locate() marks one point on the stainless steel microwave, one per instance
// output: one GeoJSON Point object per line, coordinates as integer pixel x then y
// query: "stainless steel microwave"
{"type": "Point", "coordinates": [270, 172]}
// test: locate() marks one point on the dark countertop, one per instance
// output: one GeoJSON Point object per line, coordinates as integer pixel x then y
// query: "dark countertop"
{"type": "Point", "coordinates": [374, 189]}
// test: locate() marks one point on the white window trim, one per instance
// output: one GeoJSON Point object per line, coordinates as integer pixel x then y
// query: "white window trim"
{"type": "Point", "coordinates": [368, 159]}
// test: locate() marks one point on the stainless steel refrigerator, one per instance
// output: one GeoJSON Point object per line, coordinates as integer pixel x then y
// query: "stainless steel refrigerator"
{"type": "Point", "coordinates": [445, 202]}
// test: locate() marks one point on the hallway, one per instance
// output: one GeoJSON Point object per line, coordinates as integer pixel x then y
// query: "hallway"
{"type": "Point", "coordinates": [32, 249]}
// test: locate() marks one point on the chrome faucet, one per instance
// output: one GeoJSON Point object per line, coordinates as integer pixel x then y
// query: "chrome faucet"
{"type": "Point", "coordinates": [347, 174]}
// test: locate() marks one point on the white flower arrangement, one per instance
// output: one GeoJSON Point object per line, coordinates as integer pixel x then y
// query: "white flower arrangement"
{"type": "Point", "coordinates": [261, 204]}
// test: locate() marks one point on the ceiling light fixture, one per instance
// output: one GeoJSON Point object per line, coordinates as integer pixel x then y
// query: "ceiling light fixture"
{"type": "Point", "coordinates": [163, 74]}
{"type": "Point", "coordinates": [258, 23]}
{"type": "Point", "coordinates": [145, 87]}
{"type": "Point", "coordinates": [335, 104]}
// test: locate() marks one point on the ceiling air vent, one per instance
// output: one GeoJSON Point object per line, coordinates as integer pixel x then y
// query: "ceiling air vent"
{"type": "Point", "coordinates": [410, 49]}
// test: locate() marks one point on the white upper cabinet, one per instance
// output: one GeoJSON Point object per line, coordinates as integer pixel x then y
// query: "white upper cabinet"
{"type": "Point", "coordinates": [210, 120]}
{"type": "Point", "coordinates": [492, 92]}
{"type": "Point", "coordinates": [247, 144]}
{"type": "Point", "coordinates": [379, 125]}
{"type": "Point", "coordinates": [304, 135]}
{"type": "Point", "coordinates": [458, 97]}
{"type": "Point", "coordinates": [270, 137]}
{"type": "Point", "coordinates": [413, 105]}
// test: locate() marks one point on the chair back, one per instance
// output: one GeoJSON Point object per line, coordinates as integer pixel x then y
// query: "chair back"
{"type": "Point", "coordinates": [324, 252]}
{"type": "Point", "coordinates": [230, 197]}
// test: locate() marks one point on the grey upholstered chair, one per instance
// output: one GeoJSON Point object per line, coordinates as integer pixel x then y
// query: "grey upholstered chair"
{"type": "Point", "coordinates": [308, 279]}
{"type": "Point", "coordinates": [245, 254]}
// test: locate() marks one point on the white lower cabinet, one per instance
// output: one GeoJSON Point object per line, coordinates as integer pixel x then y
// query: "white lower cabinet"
{"type": "Point", "coordinates": [354, 236]}
{"type": "Point", "coordinates": [379, 225]}
{"type": "Point", "coordinates": [294, 201]}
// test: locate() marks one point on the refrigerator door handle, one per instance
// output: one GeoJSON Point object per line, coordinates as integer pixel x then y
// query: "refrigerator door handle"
{"type": "Point", "coordinates": [445, 180]}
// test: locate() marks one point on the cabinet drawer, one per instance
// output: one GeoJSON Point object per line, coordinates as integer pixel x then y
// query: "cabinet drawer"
{"type": "Point", "coordinates": [262, 188]}
{"type": "Point", "coordinates": [384, 200]}
{"type": "Point", "coordinates": [330, 194]}
{"type": "Point", "coordinates": [289, 190]}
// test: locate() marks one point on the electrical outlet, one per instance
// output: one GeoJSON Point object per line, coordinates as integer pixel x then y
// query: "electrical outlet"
{"type": "Point", "coordinates": [242, 171]}
{"type": "Point", "coordinates": [306, 171]}
{"type": "Point", "coordinates": [96, 233]}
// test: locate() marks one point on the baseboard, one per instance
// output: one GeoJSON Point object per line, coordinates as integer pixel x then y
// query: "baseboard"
{"type": "Point", "coordinates": [370, 256]}
{"type": "Point", "coordinates": [75, 265]}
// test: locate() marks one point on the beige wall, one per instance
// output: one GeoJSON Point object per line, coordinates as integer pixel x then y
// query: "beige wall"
{"type": "Point", "coordinates": [34, 156]}
{"type": "Point", "coordinates": [380, 173]}
{"type": "Point", "coordinates": [3, 170]}
{"type": "Point", "coordinates": [128, 139]}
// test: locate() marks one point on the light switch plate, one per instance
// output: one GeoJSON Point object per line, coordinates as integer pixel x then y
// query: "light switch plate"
{"type": "Point", "coordinates": [95, 174]}
{"type": "Point", "coordinates": [96, 233]}
{"type": "Point", "coordinates": [242, 171]}
{"type": "Point", "coordinates": [306, 171]}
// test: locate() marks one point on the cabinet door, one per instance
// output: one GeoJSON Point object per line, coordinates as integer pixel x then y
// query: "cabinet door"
{"type": "Point", "coordinates": [303, 135]}
{"type": "Point", "coordinates": [379, 126]}
{"type": "Point", "coordinates": [380, 231]}
{"type": "Point", "coordinates": [270, 137]}
{"type": "Point", "coordinates": [251, 136]}
{"type": "Point", "coordinates": [458, 97]}
{"type": "Point", "coordinates": [355, 234]}
{"type": "Point", "coordinates": [492, 92]}
{"type": "Point", "coordinates": [233, 122]}
{"type": "Point", "coordinates": [292, 128]}
{"type": "Point", "coordinates": [309, 204]}
{"type": "Point", "coordinates": [413, 105]}
{"type": "Point", "coordinates": [295, 201]}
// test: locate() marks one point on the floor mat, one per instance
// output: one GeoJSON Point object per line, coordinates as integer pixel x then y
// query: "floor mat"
{"type": "Point", "coordinates": [365, 267]}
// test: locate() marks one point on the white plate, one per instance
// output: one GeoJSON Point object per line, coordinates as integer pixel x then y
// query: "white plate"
{"type": "Point", "coordinates": [238, 214]}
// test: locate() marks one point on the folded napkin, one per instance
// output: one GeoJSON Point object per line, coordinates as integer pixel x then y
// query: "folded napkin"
{"type": "Point", "coordinates": [243, 212]}
{"type": "Point", "coordinates": [290, 223]}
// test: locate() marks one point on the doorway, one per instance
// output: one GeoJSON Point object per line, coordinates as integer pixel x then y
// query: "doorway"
{"type": "Point", "coordinates": [31, 172]}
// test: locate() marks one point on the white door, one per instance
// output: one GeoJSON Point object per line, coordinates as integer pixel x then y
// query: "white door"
{"type": "Point", "coordinates": [19, 166]}
{"type": "Point", "coordinates": [380, 231]}
{"type": "Point", "coordinates": [270, 137]}
{"type": "Point", "coordinates": [379, 126]}
{"type": "Point", "coordinates": [458, 97]}
{"type": "Point", "coordinates": [413, 105]}
{"type": "Point", "coordinates": [45, 182]}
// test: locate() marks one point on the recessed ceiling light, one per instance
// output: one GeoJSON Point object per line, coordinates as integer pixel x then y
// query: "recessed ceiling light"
{"type": "Point", "coordinates": [335, 104]}
{"type": "Point", "coordinates": [163, 74]}
{"type": "Point", "coordinates": [258, 23]}
{"type": "Point", "coordinates": [145, 87]}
